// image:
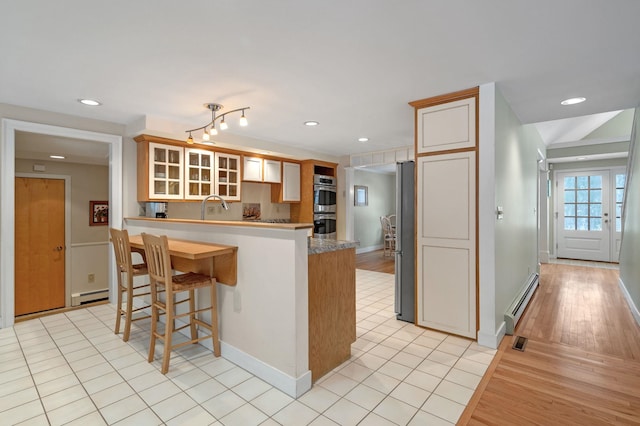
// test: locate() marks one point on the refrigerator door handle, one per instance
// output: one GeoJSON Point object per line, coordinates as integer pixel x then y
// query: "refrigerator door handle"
{"type": "Point", "coordinates": [398, 283]}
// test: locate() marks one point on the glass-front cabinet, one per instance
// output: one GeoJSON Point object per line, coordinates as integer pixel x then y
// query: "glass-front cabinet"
{"type": "Point", "coordinates": [198, 173]}
{"type": "Point", "coordinates": [165, 171]}
{"type": "Point", "coordinates": [227, 176]}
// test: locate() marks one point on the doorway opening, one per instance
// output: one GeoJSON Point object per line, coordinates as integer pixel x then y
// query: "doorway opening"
{"type": "Point", "coordinates": [7, 197]}
{"type": "Point", "coordinates": [588, 214]}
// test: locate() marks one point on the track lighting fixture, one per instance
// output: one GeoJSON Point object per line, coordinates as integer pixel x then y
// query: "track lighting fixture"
{"type": "Point", "coordinates": [213, 107]}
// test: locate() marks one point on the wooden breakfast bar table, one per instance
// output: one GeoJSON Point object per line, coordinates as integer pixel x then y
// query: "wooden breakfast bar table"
{"type": "Point", "coordinates": [216, 260]}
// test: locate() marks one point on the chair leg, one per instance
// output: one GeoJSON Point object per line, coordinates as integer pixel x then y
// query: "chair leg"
{"type": "Point", "coordinates": [154, 322]}
{"type": "Point", "coordinates": [192, 317]}
{"type": "Point", "coordinates": [119, 304]}
{"type": "Point", "coordinates": [214, 318]}
{"type": "Point", "coordinates": [128, 311]}
{"type": "Point", "coordinates": [168, 333]}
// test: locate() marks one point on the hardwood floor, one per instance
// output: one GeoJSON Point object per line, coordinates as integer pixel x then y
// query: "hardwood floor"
{"type": "Point", "coordinates": [581, 364]}
{"type": "Point", "coordinates": [376, 261]}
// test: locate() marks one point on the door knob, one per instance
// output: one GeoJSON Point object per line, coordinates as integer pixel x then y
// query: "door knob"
{"type": "Point", "coordinates": [59, 248]}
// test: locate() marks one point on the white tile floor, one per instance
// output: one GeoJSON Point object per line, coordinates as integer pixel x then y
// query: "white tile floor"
{"type": "Point", "coordinates": [70, 369]}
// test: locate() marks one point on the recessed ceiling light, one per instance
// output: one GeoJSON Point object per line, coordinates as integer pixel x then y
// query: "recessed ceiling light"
{"type": "Point", "coordinates": [57, 157]}
{"type": "Point", "coordinates": [363, 139]}
{"type": "Point", "coordinates": [311, 123]}
{"type": "Point", "coordinates": [573, 101]}
{"type": "Point", "coordinates": [89, 102]}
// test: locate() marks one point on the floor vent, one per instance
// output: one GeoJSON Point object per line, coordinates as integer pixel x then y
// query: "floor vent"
{"type": "Point", "coordinates": [520, 343]}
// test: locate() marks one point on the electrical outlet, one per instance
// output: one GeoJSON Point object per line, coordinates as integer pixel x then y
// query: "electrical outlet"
{"type": "Point", "coordinates": [91, 278]}
{"type": "Point", "coordinates": [211, 209]}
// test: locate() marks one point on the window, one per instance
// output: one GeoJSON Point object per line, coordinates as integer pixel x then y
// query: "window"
{"type": "Point", "coordinates": [620, 182]}
{"type": "Point", "coordinates": [583, 203]}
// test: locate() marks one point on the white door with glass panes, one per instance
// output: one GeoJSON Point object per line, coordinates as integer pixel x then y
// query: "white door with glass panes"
{"type": "Point", "coordinates": [588, 215]}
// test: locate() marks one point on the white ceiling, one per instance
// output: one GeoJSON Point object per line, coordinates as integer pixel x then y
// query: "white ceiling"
{"type": "Point", "coordinates": [353, 66]}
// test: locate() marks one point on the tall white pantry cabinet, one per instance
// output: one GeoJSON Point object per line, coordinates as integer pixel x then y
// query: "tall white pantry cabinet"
{"type": "Point", "coordinates": [446, 207]}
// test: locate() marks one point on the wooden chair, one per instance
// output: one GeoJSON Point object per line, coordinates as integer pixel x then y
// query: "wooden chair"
{"type": "Point", "coordinates": [388, 236]}
{"type": "Point", "coordinates": [124, 265]}
{"type": "Point", "coordinates": [161, 274]}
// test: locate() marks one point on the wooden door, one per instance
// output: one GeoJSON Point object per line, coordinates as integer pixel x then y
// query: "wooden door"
{"type": "Point", "coordinates": [39, 245]}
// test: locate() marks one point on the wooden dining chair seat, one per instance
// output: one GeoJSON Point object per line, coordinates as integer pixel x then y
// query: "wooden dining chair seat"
{"type": "Point", "coordinates": [161, 274]}
{"type": "Point", "coordinates": [126, 272]}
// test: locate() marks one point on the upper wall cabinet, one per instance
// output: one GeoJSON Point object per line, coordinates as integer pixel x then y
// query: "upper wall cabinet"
{"type": "Point", "coordinates": [289, 190]}
{"type": "Point", "coordinates": [227, 176]}
{"type": "Point", "coordinates": [252, 169]}
{"type": "Point", "coordinates": [271, 170]}
{"type": "Point", "coordinates": [446, 126]}
{"type": "Point", "coordinates": [261, 170]}
{"type": "Point", "coordinates": [165, 172]}
{"type": "Point", "coordinates": [198, 173]}
{"type": "Point", "coordinates": [290, 182]}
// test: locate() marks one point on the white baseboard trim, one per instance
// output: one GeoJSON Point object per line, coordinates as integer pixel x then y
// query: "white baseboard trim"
{"type": "Point", "coordinates": [368, 249]}
{"type": "Point", "coordinates": [491, 340]}
{"type": "Point", "coordinates": [294, 387]}
{"type": "Point", "coordinates": [632, 306]}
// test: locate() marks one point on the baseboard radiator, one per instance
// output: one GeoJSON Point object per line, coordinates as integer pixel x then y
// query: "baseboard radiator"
{"type": "Point", "coordinates": [517, 307]}
{"type": "Point", "coordinates": [89, 296]}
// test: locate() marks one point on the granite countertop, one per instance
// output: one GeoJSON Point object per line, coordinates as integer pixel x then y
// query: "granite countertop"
{"type": "Point", "coordinates": [319, 245]}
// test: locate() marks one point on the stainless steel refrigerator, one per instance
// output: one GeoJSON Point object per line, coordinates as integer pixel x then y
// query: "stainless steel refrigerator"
{"type": "Point", "coordinates": [405, 242]}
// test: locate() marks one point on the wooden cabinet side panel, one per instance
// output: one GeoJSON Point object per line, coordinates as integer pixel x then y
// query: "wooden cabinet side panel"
{"type": "Point", "coordinates": [143, 171]}
{"type": "Point", "coordinates": [331, 310]}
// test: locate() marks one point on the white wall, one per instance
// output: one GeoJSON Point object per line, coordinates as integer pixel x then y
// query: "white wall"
{"type": "Point", "coordinates": [382, 199]}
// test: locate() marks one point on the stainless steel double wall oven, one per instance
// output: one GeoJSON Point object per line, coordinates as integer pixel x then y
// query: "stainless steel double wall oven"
{"type": "Point", "coordinates": [324, 206]}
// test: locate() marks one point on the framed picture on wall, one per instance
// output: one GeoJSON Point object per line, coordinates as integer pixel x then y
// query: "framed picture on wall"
{"type": "Point", "coordinates": [99, 213]}
{"type": "Point", "coordinates": [360, 195]}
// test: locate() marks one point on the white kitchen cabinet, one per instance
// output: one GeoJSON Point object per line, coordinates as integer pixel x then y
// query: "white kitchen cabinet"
{"type": "Point", "coordinates": [271, 171]}
{"type": "Point", "coordinates": [227, 176]}
{"type": "Point", "coordinates": [446, 187]}
{"type": "Point", "coordinates": [290, 181]}
{"type": "Point", "coordinates": [198, 173]}
{"type": "Point", "coordinates": [165, 172]}
{"type": "Point", "coordinates": [252, 169]}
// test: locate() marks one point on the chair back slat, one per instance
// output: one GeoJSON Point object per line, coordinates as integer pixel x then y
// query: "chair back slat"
{"type": "Point", "coordinates": [158, 259]}
{"type": "Point", "coordinates": [122, 249]}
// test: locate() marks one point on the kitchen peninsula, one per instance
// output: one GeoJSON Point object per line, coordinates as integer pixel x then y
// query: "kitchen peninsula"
{"type": "Point", "coordinates": [275, 322]}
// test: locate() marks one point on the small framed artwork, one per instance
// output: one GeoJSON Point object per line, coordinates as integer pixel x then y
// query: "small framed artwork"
{"type": "Point", "coordinates": [99, 211]}
{"type": "Point", "coordinates": [360, 195]}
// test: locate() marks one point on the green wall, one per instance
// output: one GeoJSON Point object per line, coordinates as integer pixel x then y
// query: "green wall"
{"type": "Point", "coordinates": [516, 171]}
{"type": "Point", "coordinates": [382, 202]}
{"type": "Point", "coordinates": [629, 258]}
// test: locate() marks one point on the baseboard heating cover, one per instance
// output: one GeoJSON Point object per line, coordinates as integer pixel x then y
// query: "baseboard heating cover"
{"type": "Point", "coordinates": [89, 296]}
{"type": "Point", "coordinates": [517, 307]}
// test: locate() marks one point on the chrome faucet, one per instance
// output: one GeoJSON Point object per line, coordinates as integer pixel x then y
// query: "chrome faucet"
{"type": "Point", "coordinates": [224, 204]}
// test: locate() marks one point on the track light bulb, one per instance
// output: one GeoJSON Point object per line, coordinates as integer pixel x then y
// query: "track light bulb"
{"type": "Point", "coordinates": [223, 125]}
{"type": "Point", "coordinates": [243, 120]}
{"type": "Point", "coordinates": [205, 136]}
{"type": "Point", "coordinates": [213, 131]}
{"type": "Point", "coordinates": [190, 139]}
